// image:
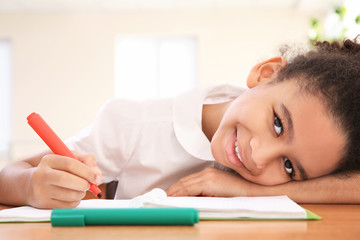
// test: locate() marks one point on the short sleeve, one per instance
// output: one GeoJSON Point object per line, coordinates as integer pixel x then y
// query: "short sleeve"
{"type": "Point", "coordinates": [111, 138]}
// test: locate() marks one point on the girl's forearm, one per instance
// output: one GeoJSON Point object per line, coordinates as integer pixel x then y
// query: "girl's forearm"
{"type": "Point", "coordinates": [327, 189]}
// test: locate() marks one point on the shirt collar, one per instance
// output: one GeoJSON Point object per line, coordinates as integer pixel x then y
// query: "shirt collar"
{"type": "Point", "coordinates": [187, 114]}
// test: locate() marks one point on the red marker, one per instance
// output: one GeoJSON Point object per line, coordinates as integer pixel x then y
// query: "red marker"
{"type": "Point", "coordinates": [54, 142]}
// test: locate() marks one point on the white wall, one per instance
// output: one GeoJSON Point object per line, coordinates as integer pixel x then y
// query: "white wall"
{"type": "Point", "coordinates": [63, 64]}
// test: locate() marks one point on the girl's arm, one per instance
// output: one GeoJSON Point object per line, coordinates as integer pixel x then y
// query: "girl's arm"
{"type": "Point", "coordinates": [327, 189]}
{"type": "Point", "coordinates": [214, 182]}
{"type": "Point", "coordinates": [47, 180]}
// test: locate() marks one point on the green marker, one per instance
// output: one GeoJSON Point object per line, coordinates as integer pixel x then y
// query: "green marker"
{"type": "Point", "coordinates": [124, 216]}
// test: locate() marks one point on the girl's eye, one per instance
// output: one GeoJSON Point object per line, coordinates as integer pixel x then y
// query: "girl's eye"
{"type": "Point", "coordinates": [278, 125]}
{"type": "Point", "coordinates": [288, 166]}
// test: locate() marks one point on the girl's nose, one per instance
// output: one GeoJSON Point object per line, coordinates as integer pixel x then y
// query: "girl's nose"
{"type": "Point", "coordinates": [263, 153]}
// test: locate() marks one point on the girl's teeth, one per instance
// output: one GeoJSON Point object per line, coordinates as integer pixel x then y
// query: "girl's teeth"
{"type": "Point", "coordinates": [237, 150]}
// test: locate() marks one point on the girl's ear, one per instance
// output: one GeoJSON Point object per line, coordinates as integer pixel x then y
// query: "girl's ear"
{"type": "Point", "coordinates": [265, 71]}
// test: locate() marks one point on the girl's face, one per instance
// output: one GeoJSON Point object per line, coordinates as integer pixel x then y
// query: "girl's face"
{"type": "Point", "coordinates": [274, 133]}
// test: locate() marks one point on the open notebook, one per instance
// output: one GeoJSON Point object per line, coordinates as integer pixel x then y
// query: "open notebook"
{"type": "Point", "coordinates": [210, 208]}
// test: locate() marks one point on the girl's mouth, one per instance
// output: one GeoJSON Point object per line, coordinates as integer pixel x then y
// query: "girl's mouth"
{"type": "Point", "coordinates": [234, 152]}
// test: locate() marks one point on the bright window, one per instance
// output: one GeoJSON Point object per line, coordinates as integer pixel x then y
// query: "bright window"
{"type": "Point", "coordinates": [151, 67]}
{"type": "Point", "coordinates": [5, 96]}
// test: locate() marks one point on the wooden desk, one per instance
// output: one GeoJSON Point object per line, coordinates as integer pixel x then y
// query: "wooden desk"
{"type": "Point", "coordinates": [339, 222]}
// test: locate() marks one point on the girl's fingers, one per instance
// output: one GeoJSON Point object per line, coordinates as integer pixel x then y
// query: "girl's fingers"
{"type": "Point", "coordinates": [66, 195]}
{"type": "Point", "coordinates": [187, 186]}
{"type": "Point", "coordinates": [188, 191]}
{"type": "Point", "coordinates": [90, 160]}
{"type": "Point", "coordinates": [55, 203]}
{"type": "Point", "coordinates": [51, 196]}
{"type": "Point", "coordinates": [67, 180]}
{"type": "Point", "coordinates": [60, 181]}
{"type": "Point", "coordinates": [208, 182]}
{"type": "Point", "coordinates": [69, 165]}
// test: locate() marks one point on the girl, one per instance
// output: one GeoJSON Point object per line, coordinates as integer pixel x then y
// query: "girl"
{"type": "Point", "coordinates": [297, 122]}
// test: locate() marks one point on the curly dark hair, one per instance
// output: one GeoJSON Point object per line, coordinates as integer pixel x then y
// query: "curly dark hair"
{"type": "Point", "coordinates": [331, 71]}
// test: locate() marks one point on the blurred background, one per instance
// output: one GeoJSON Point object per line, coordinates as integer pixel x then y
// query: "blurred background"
{"type": "Point", "coordinates": [65, 58]}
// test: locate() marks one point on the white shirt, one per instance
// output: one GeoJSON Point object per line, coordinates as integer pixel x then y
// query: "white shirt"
{"type": "Point", "coordinates": [151, 144]}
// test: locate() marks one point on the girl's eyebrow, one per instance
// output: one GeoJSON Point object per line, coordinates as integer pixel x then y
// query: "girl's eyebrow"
{"type": "Point", "coordinates": [288, 121]}
{"type": "Point", "coordinates": [301, 170]}
{"type": "Point", "coordinates": [290, 132]}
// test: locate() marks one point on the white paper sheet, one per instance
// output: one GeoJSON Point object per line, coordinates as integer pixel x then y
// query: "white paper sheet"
{"type": "Point", "coordinates": [210, 207]}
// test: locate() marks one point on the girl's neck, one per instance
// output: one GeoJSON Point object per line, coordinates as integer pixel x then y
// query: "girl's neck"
{"type": "Point", "coordinates": [212, 115]}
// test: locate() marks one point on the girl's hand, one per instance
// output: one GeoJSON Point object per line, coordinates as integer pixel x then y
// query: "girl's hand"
{"type": "Point", "coordinates": [61, 182]}
{"type": "Point", "coordinates": [211, 182]}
